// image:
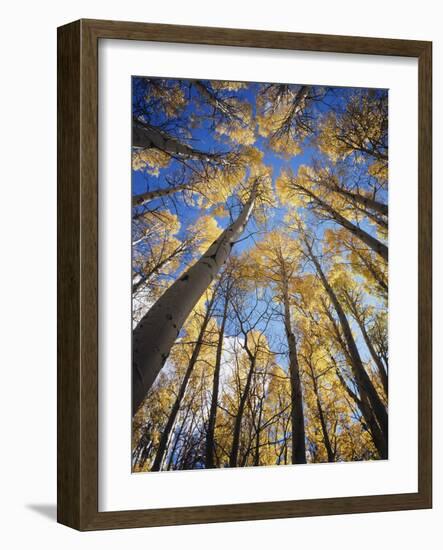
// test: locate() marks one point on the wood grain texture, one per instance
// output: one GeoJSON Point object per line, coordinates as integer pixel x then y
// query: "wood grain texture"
{"type": "Point", "coordinates": [425, 274]}
{"type": "Point", "coordinates": [77, 456]}
{"type": "Point", "coordinates": [68, 276]}
{"type": "Point", "coordinates": [254, 38]}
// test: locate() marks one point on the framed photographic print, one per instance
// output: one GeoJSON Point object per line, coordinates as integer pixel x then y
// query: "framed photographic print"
{"type": "Point", "coordinates": [244, 275]}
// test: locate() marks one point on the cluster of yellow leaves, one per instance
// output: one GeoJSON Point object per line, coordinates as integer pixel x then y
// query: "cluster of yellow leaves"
{"type": "Point", "coordinates": [151, 160]}
{"type": "Point", "coordinates": [305, 289]}
{"type": "Point", "coordinates": [329, 141]}
{"type": "Point", "coordinates": [220, 211]}
{"type": "Point", "coordinates": [206, 231]}
{"type": "Point", "coordinates": [231, 86]}
{"type": "Point", "coordinates": [221, 184]}
{"type": "Point", "coordinates": [277, 119]}
{"type": "Point", "coordinates": [361, 125]}
{"type": "Point", "coordinates": [274, 259]}
{"type": "Point", "coordinates": [160, 258]}
{"type": "Point", "coordinates": [238, 133]}
{"type": "Point", "coordinates": [379, 170]}
{"type": "Point", "coordinates": [261, 176]}
{"type": "Point", "coordinates": [342, 246]}
{"type": "Point", "coordinates": [222, 181]}
{"type": "Point", "coordinates": [287, 192]}
{"type": "Point", "coordinates": [285, 145]}
{"type": "Point", "coordinates": [252, 157]}
{"type": "Point", "coordinates": [169, 221]}
{"type": "Point", "coordinates": [240, 129]}
{"type": "Point", "coordinates": [172, 98]}
{"type": "Point", "coordinates": [339, 277]}
{"type": "Point", "coordinates": [154, 410]}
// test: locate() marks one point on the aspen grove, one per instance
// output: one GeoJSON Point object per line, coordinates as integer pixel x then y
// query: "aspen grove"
{"type": "Point", "coordinates": [259, 274]}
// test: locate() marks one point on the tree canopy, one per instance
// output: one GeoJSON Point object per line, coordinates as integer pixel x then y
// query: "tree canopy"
{"type": "Point", "coordinates": [259, 274]}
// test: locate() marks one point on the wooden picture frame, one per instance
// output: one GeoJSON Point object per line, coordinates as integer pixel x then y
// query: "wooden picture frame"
{"type": "Point", "coordinates": [78, 274]}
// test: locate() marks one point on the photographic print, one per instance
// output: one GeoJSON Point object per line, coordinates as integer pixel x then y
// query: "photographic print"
{"type": "Point", "coordinates": [259, 274]}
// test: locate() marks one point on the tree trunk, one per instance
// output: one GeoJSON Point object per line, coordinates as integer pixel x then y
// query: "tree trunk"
{"type": "Point", "coordinates": [227, 110]}
{"type": "Point", "coordinates": [367, 202]}
{"type": "Point", "coordinates": [380, 441]}
{"type": "Point", "coordinates": [233, 457]}
{"type": "Point", "coordinates": [373, 243]}
{"type": "Point", "coordinates": [297, 414]}
{"type": "Point", "coordinates": [144, 278]}
{"type": "Point", "coordinates": [158, 329]}
{"type": "Point", "coordinates": [324, 428]}
{"type": "Point", "coordinates": [366, 388]}
{"type": "Point", "coordinates": [143, 198]}
{"type": "Point", "coordinates": [181, 393]}
{"type": "Point", "coordinates": [145, 136]}
{"type": "Point", "coordinates": [257, 436]}
{"type": "Point", "coordinates": [215, 387]}
{"type": "Point", "coordinates": [177, 441]}
{"type": "Point", "coordinates": [377, 360]}
{"type": "Point", "coordinates": [372, 269]}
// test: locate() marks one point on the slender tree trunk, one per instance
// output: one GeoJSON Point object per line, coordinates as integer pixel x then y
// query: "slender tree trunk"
{"type": "Point", "coordinates": [233, 458]}
{"type": "Point", "coordinates": [370, 267]}
{"type": "Point", "coordinates": [143, 198]}
{"type": "Point", "coordinates": [155, 269]}
{"type": "Point", "coordinates": [373, 426]}
{"type": "Point", "coordinates": [383, 223]}
{"type": "Point", "coordinates": [361, 147]}
{"type": "Point", "coordinates": [158, 329]}
{"type": "Point", "coordinates": [257, 436]}
{"type": "Point", "coordinates": [187, 456]}
{"type": "Point", "coordinates": [366, 388]}
{"type": "Point", "coordinates": [377, 360]}
{"type": "Point", "coordinates": [367, 202]}
{"type": "Point", "coordinates": [224, 108]}
{"type": "Point", "coordinates": [145, 136]}
{"type": "Point", "coordinates": [215, 387]}
{"type": "Point", "coordinates": [380, 441]}
{"type": "Point", "coordinates": [143, 448]}
{"type": "Point", "coordinates": [181, 392]}
{"type": "Point", "coordinates": [345, 386]}
{"type": "Point", "coordinates": [377, 246]}
{"type": "Point", "coordinates": [177, 440]}
{"type": "Point", "coordinates": [297, 414]}
{"type": "Point", "coordinates": [324, 428]}
{"type": "Point", "coordinates": [373, 243]}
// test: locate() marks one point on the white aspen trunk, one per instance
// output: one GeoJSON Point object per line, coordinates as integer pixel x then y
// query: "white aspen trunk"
{"type": "Point", "coordinates": [146, 137]}
{"type": "Point", "coordinates": [373, 243]}
{"type": "Point", "coordinates": [372, 204]}
{"type": "Point", "coordinates": [378, 247]}
{"type": "Point", "coordinates": [158, 329]}
{"type": "Point", "coordinates": [143, 198]}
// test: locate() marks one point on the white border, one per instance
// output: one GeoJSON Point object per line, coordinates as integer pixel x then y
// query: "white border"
{"type": "Point", "coordinates": [118, 489]}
